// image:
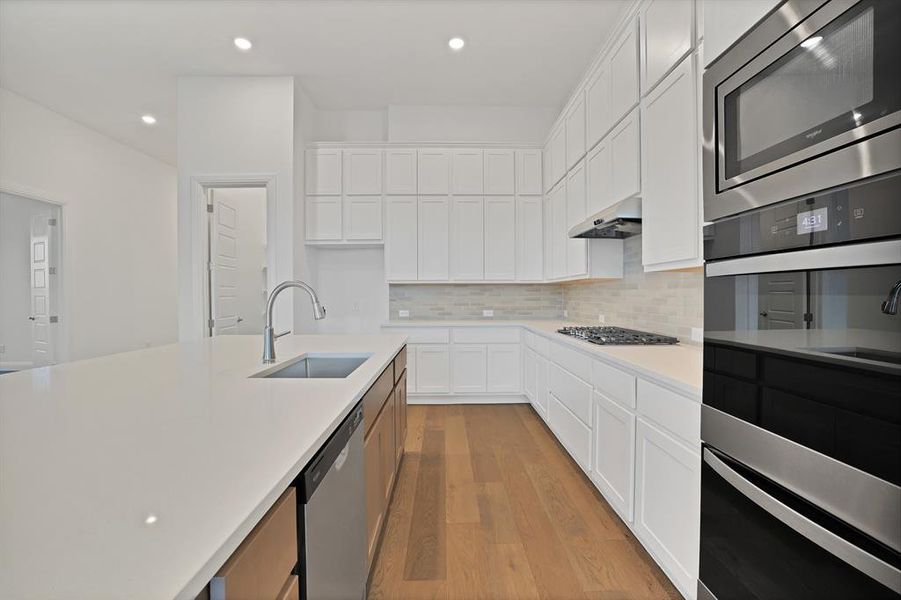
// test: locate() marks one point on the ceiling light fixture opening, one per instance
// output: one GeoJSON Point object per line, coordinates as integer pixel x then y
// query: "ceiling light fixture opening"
{"type": "Point", "coordinates": [243, 44]}
{"type": "Point", "coordinates": [456, 43]}
{"type": "Point", "coordinates": [148, 119]}
{"type": "Point", "coordinates": [812, 42]}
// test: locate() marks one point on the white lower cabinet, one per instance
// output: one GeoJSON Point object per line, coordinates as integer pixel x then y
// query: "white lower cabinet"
{"type": "Point", "coordinates": [541, 393]}
{"type": "Point", "coordinates": [668, 503]}
{"type": "Point", "coordinates": [411, 368]}
{"type": "Point", "coordinates": [612, 469]}
{"type": "Point", "coordinates": [503, 368]}
{"type": "Point", "coordinates": [469, 368]}
{"type": "Point", "coordinates": [570, 431]}
{"type": "Point", "coordinates": [529, 376]}
{"type": "Point", "coordinates": [432, 369]}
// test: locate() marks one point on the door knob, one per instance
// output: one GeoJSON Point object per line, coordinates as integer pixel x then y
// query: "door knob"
{"type": "Point", "coordinates": [764, 313]}
{"type": "Point", "coordinates": [32, 318]}
{"type": "Point", "coordinates": [240, 319]}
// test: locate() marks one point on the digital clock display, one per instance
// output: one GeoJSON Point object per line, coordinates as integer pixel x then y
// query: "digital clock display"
{"type": "Point", "coordinates": [813, 220]}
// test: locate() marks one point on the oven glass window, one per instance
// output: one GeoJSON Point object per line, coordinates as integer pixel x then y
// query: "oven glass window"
{"type": "Point", "coordinates": [836, 80]}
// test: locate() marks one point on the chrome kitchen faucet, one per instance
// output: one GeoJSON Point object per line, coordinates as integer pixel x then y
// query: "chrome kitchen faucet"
{"type": "Point", "coordinates": [269, 336]}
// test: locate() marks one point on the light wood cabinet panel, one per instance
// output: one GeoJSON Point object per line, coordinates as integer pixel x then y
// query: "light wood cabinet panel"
{"type": "Point", "coordinates": [613, 467]}
{"type": "Point", "coordinates": [291, 590]}
{"type": "Point", "coordinates": [433, 171]}
{"type": "Point", "coordinates": [401, 412]}
{"type": "Point", "coordinates": [528, 172]}
{"type": "Point", "coordinates": [575, 132]}
{"type": "Point", "coordinates": [467, 252]}
{"type": "Point", "coordinates": [468, 172]}
{"type": "Point", "coordinates": [470, 366]}
{"type": "Point", "coordinates": [400, 171]}
{"type": "Point", "coordinates": [529, 238]}
{"type": "Point", "coordinates": [388, 447]}
{"type": "Point", "coordinates": [322, 172]}
{"type": "Point", "coordinates": [401, 240]}
{"type": "Point", "coordinates": [624, 73]}
{"type": "Point", "coordinates": [363, 218]}
{"type": "Point", "coordinates": [434, 238]}
{"type": "Point", "coordinates": [323, 218]}
{"type": "Point", "coordinates": [363, 171]}
{"type": "Point", "coordinates": [500, 238]}
{"type": "Point", "coordinates": [667, 36]}
{"type": "Point", "coordinates": [500, 178]}
{"type": "Point", "coordinates": [375, 498]}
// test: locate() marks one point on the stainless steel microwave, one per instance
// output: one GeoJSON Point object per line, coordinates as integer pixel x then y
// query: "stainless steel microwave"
{"type": "Point", "coordinates": [808, 99]}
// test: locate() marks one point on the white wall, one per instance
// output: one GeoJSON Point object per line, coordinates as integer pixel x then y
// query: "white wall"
{"type": "Point", "coordinates": [350, 126]}
{"type": "Point", "coordinates": [119, 226]}
{"type": "Point", "coordinates": [504, 124]}
{"type": "Point", "coordinates": [231, 126]}
{"type": "Point", "coordinates": [351, 284]}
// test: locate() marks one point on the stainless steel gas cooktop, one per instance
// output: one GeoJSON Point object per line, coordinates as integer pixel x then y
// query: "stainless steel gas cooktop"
{"type": "Point", "coordinates": [613, 336]}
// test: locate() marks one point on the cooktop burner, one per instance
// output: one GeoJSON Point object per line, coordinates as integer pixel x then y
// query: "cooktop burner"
{"type": "Point", "coordinates": [616, 336]}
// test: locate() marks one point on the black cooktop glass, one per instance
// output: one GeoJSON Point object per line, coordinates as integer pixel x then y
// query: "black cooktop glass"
{"type": "Point", "coordinates": [617, 336]}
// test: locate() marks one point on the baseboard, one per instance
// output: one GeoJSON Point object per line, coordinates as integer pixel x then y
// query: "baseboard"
{"type": "Point", "coordinates": [466, 399]}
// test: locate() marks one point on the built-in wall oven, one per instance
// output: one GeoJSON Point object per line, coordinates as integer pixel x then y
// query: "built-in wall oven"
{"type": "Point", "coordinates": [801, 415]}
{"type": "Point", "coordinates": [807, 100]}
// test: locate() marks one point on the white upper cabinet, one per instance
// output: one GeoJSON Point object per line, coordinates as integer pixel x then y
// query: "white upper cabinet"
{"type": "Point", "coordinates": [625, 157]}
{"type": "Point", "coordinates": [467, 172]}
{"type": "Point", "coordinates": [323, 172]}
{"type": "Point", "coordinates": [400, 171]}
{"type": "Point", "coordinates": [575, 132]}
{"type": "Point", "coordinates": [558, 153]}
{"type": "Point", "coordinates": [500, 238]}
{"type": "Point", "coordinates": [363, 171]}
{"type": "Point", "coordinates": [499, 172]}
{"type": "Point", "coordinates": [667, 36]}
{"type": "Point", "coordinates": [597, 99]}
{"type": "Point", "coordinates": [671, 218]}
{"type": "Point", "coordinates": [434, 169]}
{"type": "Point", "coordinates": [363, 218]}
{"type": "Point", "coordinates": [557, 230]}
{"type": "Point", "coordinates": [624, 73]}
{"type": "Point", "coordinates": [323, 218]}
{"type": "Point", "coordinates": [600, 177]}
{"type": "Point", "coordinates": [401, 240]}
{"type": "Point", "coordinates": [467, 238]}
{"type": "Point", "coordinates": [576, 249]}
{"type": "Point", "coordinates": [433, 238]}
{"type": "Point", "coordinates": [547, 168]}
{"type": "Point", "coordinates": [725, 22]}
{"type": "Point", "coordinates": [529, 239]}
{"type": "Point", "coordinates": [528, 172]}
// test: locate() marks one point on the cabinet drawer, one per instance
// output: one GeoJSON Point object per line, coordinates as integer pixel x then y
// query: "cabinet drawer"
{"type": "Point", "coordinates": [400, 363]}
{"type": "Point", "coordinates": [571, 432]}
{"type": "Point", "coordinates": [575, 362]}
{"type": "Point", "coordinates": [263, 562]}
{"type": "Point", "coordinates": [676, 413]}
{"type": "Point", "coordinates": [613, 383]}
{"type": "Point", "coordinates": [427, 335]}
{"type": "Point", "coordinates": [375, 397]}
{"type": "Point", "coordinates": [571, 391]}
{"type": "Point", "coordinates": [486, 335]}
{"type": "Point", "coordinates": [291, 591]}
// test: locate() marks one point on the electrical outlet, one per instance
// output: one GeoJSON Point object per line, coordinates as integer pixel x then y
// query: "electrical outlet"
{"type": "Point", "coordinates": [488, 312]}
{"type": "Point", "coordinates": [697, 334]}
{"type": "Point", "coordinates": [403, 314]}
{"type": "Point", "coordinates": [565, 313]}
{"type": "Point", "coordinates": [601, 319]}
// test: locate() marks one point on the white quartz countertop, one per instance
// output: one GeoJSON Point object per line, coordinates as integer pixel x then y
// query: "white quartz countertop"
{"type": "Point", "coordinates": [90, 449]}
{"type": "Point", "coordinates": [678, 366]}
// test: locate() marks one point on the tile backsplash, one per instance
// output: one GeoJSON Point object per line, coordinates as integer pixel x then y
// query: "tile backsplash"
{"type": "Point", "coordinates": [467, 301]}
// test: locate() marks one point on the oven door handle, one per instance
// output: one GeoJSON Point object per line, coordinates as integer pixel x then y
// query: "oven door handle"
{"type": "Point", "coordinates": [832, 257]}
{"type": "Point", "coordinates": [839, 547]}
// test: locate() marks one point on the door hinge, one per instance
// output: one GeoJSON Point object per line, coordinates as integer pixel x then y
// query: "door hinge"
{"type": "Point", "coordinates": [51, 222]}
{"type": "Point", "coordinates": [54, 319]}
{"type": "Point", "coordinates": [808, 317]}
{"type": "Point", "coordinates": [209, 208]}
{"type": "Point", "coordinates": [52, 270]}
{"type": "Point", "coordinates": [210, 266]}
{"type": "Point", "coordinates": [211, 323]}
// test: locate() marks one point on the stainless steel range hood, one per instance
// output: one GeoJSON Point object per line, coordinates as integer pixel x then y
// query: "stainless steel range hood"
{"type": "Point", "coordinates": [618, 221]}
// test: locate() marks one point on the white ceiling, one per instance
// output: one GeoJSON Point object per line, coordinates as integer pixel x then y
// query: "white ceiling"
{"type": "Point", "coordinates": [104, 63]}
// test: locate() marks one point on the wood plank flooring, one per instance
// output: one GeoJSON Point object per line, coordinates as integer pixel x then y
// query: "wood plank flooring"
{"type": "Point", "coordinates": [489, 506]}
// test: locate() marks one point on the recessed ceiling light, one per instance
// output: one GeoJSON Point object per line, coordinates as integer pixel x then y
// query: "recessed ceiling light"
{"type": "Point", "coordinates": [812, 42]}
{"type": "Point", "coordinates": [148, 119]}
{"type": "Point", "coordinates": [243, 44]}
{"type": "Point", "coordinates": [150, 519]}
{"type": "Point", "coordinates": [456, 43]}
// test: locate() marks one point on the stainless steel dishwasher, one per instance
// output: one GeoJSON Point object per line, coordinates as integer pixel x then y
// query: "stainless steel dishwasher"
{"type": "Point", "coordinates": [331, 517]}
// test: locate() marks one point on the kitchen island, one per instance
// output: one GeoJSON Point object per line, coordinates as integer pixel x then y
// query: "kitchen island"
{"type": "Point", "coordinates": [138, 474]}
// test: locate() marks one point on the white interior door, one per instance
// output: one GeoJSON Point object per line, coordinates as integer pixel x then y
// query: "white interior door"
{"type": "Point", "coordinates": [224, 318]}
{"type": "Point", "coordinates": [43, 271]}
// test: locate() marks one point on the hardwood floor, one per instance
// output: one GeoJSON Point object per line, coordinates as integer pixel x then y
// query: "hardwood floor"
{"type": "Point", "coordinates": [489, 506]}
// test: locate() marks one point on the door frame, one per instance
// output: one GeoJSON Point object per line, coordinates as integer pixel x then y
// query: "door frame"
{"type": "Point", "coordinates": [193, 301]}
{"type": "Point", "coordinates": [63, 282]}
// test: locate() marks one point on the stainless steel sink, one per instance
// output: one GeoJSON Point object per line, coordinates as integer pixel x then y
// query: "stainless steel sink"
{"type": "Point", "coordinates": [317, 366]}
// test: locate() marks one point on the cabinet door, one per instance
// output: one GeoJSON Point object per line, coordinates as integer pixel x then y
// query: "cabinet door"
{"type": "Point", "coordinates": [401, 238]}
{"type": "Point", "coordinates": [529, 238]}
{"type": "Point", "coordinates": [558, 153]}
{"type": "Point", "coordinates": [725, 22]}
{"type": "Point", "coordinates": [667, 503]}
{"type": "Point", "coordinates": [434, 234]}
{"type": "Point", "coordinates": [499, 172]}
{"type": "Point", "coordinates": [597, 105]}
{"type": "Point", "coordinates": [666, 38]}
{"type": "Point", "coordinates": [600, 177]}
{"type": "Point", "coordinates": [504, 368]}
{"type": "Point", "coordinates": [375, 498]}
{"type": "Point", "coordinates": [528, 172]}
{"type": "Point", "coordinates": [400, 409]}
{"type": "Point", "coordinates": [624, 73]}
{"type": "Point", "coordinates": [571, 432]}
{"type": "Point", "coordinates": [576, 249]}
{"type": "Point", "coordinates": [547, 169]}
{"type": "Point", "coordinates": [433, 171]}
{"type": "Point", "coordinates": [559, 231]}
{"type": "Point", "coordinates": [541, 389]}
{"type": "Point", "coordinates": [625, 154]}
{"type": "Point", "coordinates": [468, 175]}
{"type": "Point", "coordinates": [323, 217]}
{"type": "Point", "coordinates": [528, 375]}
{"type": "Point", "coordinates": [500, 237]}
{"type": "Point", "coordinates": [613, 466]}
{"type": "Point", "coordinates": [467, 238]}
{"type": "Point", "coordinates": [362, 217]}
{"type": "Point", "coordinates": [469, 368]}
{"type": "Point", "coordinates": [322, 173]}
{"type": "Point", "coordinates": [400, 171]}
{"type": "Point", "coordinates": [670, 203]}
{"type": "Point", "coordinates": [362, 171]}
{"type": "Point", "coordinates": [388, 447]}
{"type": "Point", "coordinates": [411, 369]}
{"type": "Point", "coordinates": [575, 132]}
{"type": "Point", "coordinates": [432, 369]}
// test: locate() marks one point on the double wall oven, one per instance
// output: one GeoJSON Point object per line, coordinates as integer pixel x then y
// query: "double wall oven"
{"type": "Point", "coordinates": [801, 416]}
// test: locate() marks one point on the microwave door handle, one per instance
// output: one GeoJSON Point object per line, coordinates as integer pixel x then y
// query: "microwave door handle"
{"type": "Point", "coordinates": [832, 257]}
{"type": "Point", "coordinates": [839, 547]}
